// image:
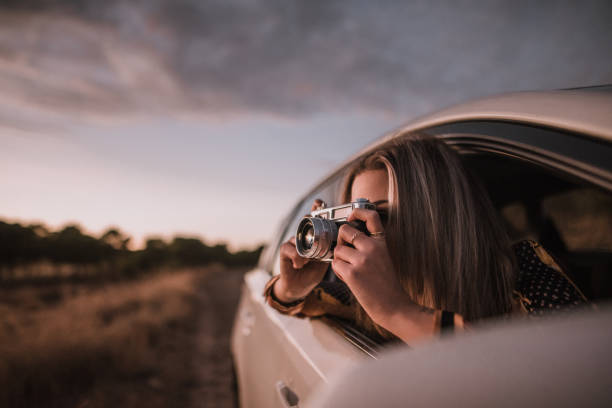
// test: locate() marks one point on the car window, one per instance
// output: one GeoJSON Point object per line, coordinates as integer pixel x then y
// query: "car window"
{"type": "Point", "coordinates": [571, 218]}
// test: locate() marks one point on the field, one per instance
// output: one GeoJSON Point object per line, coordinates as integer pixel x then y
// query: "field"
{"type": "Point", "coordinates": [162, 341]}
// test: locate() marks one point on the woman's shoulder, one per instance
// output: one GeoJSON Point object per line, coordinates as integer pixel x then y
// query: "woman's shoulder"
{"type": "Point", "coordinates": [542, 286]}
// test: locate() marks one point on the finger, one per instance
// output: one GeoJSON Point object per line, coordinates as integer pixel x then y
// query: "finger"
{"type": "Point", "coordinates": [347, 254]}
{"type": "Point", "coordinates": [342, 232]}
{"type": "Point", "coordinates": [289, 253]}
{"type": "Point", "coordinates": [287, 250]}
{"type": "Point", "coordinates": [370, 217]}
{"type": "Point", "coordinates": [317, 204]}
{"type": "Point", "coordinates": [351, 235]}
{"type": "Point", "coordinates": [341, 269]}
{"type": "Point", "coordinates": [298, 261]}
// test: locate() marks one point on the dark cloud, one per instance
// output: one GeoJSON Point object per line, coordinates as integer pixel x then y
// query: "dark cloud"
{"type": "Point", "coordinates": [296, 57]}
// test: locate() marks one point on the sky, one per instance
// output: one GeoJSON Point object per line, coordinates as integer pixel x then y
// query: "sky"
{"type": "Point", "coordinates": [211, 118]}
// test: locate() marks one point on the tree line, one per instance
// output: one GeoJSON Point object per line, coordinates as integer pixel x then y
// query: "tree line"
{"type": "Point", "coordinates": [109, 254]}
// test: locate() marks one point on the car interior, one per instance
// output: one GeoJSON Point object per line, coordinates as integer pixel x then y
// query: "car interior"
{"type": "Point", "coordinates": [570, 219]}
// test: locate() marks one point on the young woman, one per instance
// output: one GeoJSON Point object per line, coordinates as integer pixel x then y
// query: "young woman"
{"type": "Point", "coordinates": [435, 253]}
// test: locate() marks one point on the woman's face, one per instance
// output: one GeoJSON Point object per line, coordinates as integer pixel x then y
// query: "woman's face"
{"type": "Point", "coordinates": [373, 185]}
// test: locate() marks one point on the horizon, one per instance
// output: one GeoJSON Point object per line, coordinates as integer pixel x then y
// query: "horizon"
{"type": "Point", "coordinates": [140, 245]}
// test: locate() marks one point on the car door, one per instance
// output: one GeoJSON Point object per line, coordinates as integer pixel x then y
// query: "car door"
{"type": "Point", "coordinates": [281, 359]}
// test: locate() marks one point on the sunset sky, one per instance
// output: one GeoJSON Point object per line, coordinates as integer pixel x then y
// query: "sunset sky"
{"type": "Point", "coordinates": [211, 118]}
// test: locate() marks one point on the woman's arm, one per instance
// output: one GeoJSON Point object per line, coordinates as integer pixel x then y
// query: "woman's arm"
{"type": "Point", "coordinates": [327, 298]}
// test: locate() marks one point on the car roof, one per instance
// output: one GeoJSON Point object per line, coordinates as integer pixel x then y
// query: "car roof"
{"type": "Point", "coordinates": [586, 111]}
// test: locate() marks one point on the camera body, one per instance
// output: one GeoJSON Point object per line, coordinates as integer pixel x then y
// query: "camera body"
{"type": "Point", "coordinates": [317, 234]}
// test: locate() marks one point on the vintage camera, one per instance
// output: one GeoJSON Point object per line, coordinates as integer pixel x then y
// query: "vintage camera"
{"type": "Point", "coordinates": [317, 234]}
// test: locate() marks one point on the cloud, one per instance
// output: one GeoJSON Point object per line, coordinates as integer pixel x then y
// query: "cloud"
{"type": "Point", "coordinates": [294, 58]}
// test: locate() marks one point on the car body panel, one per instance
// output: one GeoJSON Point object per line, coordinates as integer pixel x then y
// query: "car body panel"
{"type": "Point", "coordinates": [579, 111]}
{"type": "Point", "coordinates": [300, 353]}
{"type": "Point", "coordinates": [558, 362]}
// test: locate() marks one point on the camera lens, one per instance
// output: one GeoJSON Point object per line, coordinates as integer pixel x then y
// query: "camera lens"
{"type": "Point", "coordinates": [305, 237]}
{"type": "Point", "coordinates": [308, 239]}
{"type": "Point", "coordinates": [315, 238]}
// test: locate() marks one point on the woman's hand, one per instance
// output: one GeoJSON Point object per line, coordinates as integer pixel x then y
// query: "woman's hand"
{"type": "Point", "coordinates": [367, 269]}
{"type": "Point", "coordinates": [298, 276]}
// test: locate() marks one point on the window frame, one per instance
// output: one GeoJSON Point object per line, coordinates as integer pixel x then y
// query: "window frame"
{"type": "Point", "coordinates": [580, 156]}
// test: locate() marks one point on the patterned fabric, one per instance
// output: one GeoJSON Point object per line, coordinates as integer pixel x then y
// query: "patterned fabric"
{"type": "Point", "coordinates": [338, 290]}
{"type": "Point", "coordinates": [542, 286]}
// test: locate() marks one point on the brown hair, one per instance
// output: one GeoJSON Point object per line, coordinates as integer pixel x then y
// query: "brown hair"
{"type": "Point", "coordinates": [447, 244]}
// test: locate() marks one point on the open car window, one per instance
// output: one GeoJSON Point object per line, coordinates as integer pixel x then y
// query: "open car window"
{"type": "Point", "coordinates": [570, 216]}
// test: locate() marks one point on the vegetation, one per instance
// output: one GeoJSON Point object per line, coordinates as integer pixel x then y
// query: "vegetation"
{"type": "Point", "coordinates": [125, 343]}
{"type": "Point", "coordinates": [33, 252]}
{"type": "Point", "coordinates": [89, 322]}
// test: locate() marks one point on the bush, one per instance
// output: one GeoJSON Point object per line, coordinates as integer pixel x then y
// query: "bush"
{"type": "Point", "coordinates": [106, 257]}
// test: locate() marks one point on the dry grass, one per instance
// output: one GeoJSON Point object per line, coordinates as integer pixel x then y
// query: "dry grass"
{"type": "Point", "coordinates": [60, 346]}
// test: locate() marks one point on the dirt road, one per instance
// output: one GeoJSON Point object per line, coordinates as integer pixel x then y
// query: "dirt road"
{"type": "Point", "coordinates": [212, 364]}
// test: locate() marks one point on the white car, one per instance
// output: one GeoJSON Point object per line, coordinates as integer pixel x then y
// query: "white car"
{"type": "Point", "coordinates": [546, 160]}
